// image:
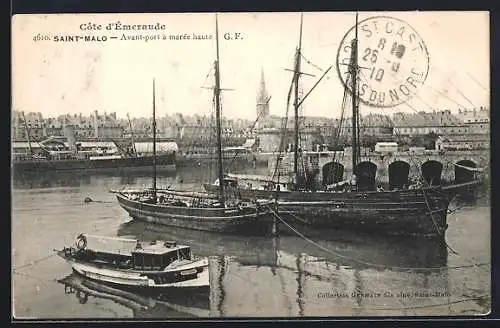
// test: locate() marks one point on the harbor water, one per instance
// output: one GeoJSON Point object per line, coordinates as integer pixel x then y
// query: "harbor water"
{"type": "Point", "coordinates": [328, 273]}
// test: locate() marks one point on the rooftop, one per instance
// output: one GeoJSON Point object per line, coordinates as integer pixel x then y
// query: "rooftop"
{"type": "Point", "coordinates": [124, 246]}
{"type": "Point", "coordinates": [465, 138]}
{"type": "Point", "coordinates": [158, 247]}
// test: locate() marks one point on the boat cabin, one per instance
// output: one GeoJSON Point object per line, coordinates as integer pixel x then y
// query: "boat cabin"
{"type": "Point", "coordinates": [129, 253]}
{"type": "Point", "coordinates": [155, 256]}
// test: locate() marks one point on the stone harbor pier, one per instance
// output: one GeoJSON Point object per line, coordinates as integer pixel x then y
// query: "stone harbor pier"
{"type": "Point", "coordinates": [330, 167]}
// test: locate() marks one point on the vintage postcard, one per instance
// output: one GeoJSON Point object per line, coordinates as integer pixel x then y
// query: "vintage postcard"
{"type": "Point", "coordinates": [204, 165]}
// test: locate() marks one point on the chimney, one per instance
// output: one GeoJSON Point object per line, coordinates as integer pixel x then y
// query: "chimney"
{"type": "Point", "coordinates": [44, 129]}
{"type": "Point", "coordinates": [96, 124]}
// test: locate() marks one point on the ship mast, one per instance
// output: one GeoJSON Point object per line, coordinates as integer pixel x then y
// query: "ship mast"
{"type": "Point", "coordinates": [27, 134]}
{"type": "Point", "coordinates": [154, 142]}
{"type": "Point", "coordinates": [132, 135]}
{"type": "Point", "coordinates": [218, 115]}
{"type": "Point", "coordinates": [355, 98]}
{"type": "Point", "coordinates": [296, 105]}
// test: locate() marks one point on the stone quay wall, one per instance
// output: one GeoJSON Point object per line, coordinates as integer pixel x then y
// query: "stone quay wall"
{"type": "Point", "coordinates": [481, 158]}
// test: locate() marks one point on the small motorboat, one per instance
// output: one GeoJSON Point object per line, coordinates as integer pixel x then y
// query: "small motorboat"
{"type": "Point", "coordinates": [132, 263]}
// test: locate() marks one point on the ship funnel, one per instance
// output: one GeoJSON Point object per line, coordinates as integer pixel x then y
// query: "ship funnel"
{"type": "Point", "coordinates": [70, 136]}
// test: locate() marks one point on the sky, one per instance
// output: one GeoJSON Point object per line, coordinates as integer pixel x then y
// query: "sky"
{"type": "Point", "coordinates": [56, 78]}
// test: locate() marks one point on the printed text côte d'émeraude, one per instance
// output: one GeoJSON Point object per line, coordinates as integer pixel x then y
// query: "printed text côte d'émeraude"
{"type": "Point", "coordinates": [118, 26]}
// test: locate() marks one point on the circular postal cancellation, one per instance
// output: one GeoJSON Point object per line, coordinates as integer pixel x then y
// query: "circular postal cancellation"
{"type": "Point", "coordinates": [392, 58]}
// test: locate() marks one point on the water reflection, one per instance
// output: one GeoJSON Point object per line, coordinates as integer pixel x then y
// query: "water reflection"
{"type": "Point", "coordinates": [255, 275]}
{"type": "Point", "coordinates": [49, 180]}
{"type": "Point", "coordinates": [183, 175]}
{"type": "Point", "coordinates": [351, 249]}
{"type": "Point", "coordinates": [288, 276]}
{"type": "Point", "coordinates": [143, 304]}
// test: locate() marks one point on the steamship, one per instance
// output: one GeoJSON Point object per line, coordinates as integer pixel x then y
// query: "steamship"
{"type": "Point", "coordinates": [54, 154]}
{"type": "Point", "coordinates": [64, 153]}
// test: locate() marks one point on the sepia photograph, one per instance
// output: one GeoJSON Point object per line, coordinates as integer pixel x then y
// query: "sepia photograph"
{"type": "Point", "coordinates": [250, 165]}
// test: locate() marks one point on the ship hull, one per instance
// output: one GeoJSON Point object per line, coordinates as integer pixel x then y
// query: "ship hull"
{"type": "Point", "coordinates": [164, 163]}
{"type": "Point", "coordinates": [420, 212]}
{"type": "Point", "coordinates": [392, 220]}
{"type": "Point", "coordinates": [234, 220]}
{"type": "Point", "coordinates": [168, 279]}
{"type": "Point", "coordinates": [227, 160]}
{"type": "Point", "coordinates": [136, 279]}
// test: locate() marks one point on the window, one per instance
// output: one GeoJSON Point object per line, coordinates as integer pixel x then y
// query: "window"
{"type": "Point", "coordinates": [185, 254]}
{"type": "Point", "coordinates": [155, 262]}
{"type": "Point", "coordinates": [137, 261]}
{"type": "Point", "coordinates": [148, 262]}
{"type": "Point", "coordinates": [169, 258]}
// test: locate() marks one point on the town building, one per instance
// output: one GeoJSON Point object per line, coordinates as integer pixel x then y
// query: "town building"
{"type": "Point", "coordinates": [477, 121]}
{"type": "Point", "coordinates": [481, 115]}
{"type": "Point", "coordinates": [463, 142]}
{"type": "Point", "coordinates": [96, 126]}
{"type": "Point", "coordinates": [422, 123]}
{"type": "Point", "coordinates": [270, 139]}
{"type": "Point", "coordinates": [371, 125]}
{"type": "Point", "coordinates": [34, 124]}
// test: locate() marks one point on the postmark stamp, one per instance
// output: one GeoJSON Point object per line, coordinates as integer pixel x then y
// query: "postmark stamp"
{"type": "Point", "coordinates": [392, 57]}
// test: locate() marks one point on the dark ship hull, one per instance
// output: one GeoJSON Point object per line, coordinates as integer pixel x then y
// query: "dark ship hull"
{"type": "Point", "coordinates": [420, 212]}
{"type": "Point", "coordinates": [229, 219]}
{"type": "Point", "coordinates": [207, 159]}
{"type": "Point", "coordinates": [163, 162]}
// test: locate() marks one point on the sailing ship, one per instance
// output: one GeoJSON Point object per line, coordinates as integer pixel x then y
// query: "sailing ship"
{"type": "Point", "coordinates": [130, 263]}
{"type": "Point", "coordinates": [194, 210]}
{"type": "Point", "coordinates": [356, 203]}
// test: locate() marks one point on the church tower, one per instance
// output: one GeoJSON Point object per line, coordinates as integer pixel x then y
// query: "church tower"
{"type": "Point", "coordinates": [262, 98]}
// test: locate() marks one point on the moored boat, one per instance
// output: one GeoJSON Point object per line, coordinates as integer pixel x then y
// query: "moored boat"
{"type": "Point", "coordinates": [356, 203]}
{"type": "Point", "coordinates": [130, 263]}
{"type": "Point", "coordinates": [195, 211]}
{"type": "Point", "coordinates": [112, 163]}
{"type": "Point", "coordinates": [65, 154]}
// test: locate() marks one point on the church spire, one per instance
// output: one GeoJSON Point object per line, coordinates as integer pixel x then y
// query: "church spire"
{"type": "Point", "coordinates": [262, 97]}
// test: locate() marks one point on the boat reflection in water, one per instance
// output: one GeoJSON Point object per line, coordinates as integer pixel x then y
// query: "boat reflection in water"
{"type": "Point", "coordinates": [78, 179]}
{"type": "Point", "coordinates": [143, 305]}
{"type": "Point", "coordinates": [337, 274]}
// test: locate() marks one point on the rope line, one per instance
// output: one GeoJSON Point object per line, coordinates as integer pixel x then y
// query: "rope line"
{"type": "Point", "coordinates": [436, 227]}
{"type": "Point", "coordinates": [34, 262]}
{"type": "Point", "coordinates": [35, 277]}
{"type": "Point", "coordinates": [372, 263]}
{"type": "Point", "coordinates": [310, 63]}
{"type": "Point", "coordinates": [439, 231]}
